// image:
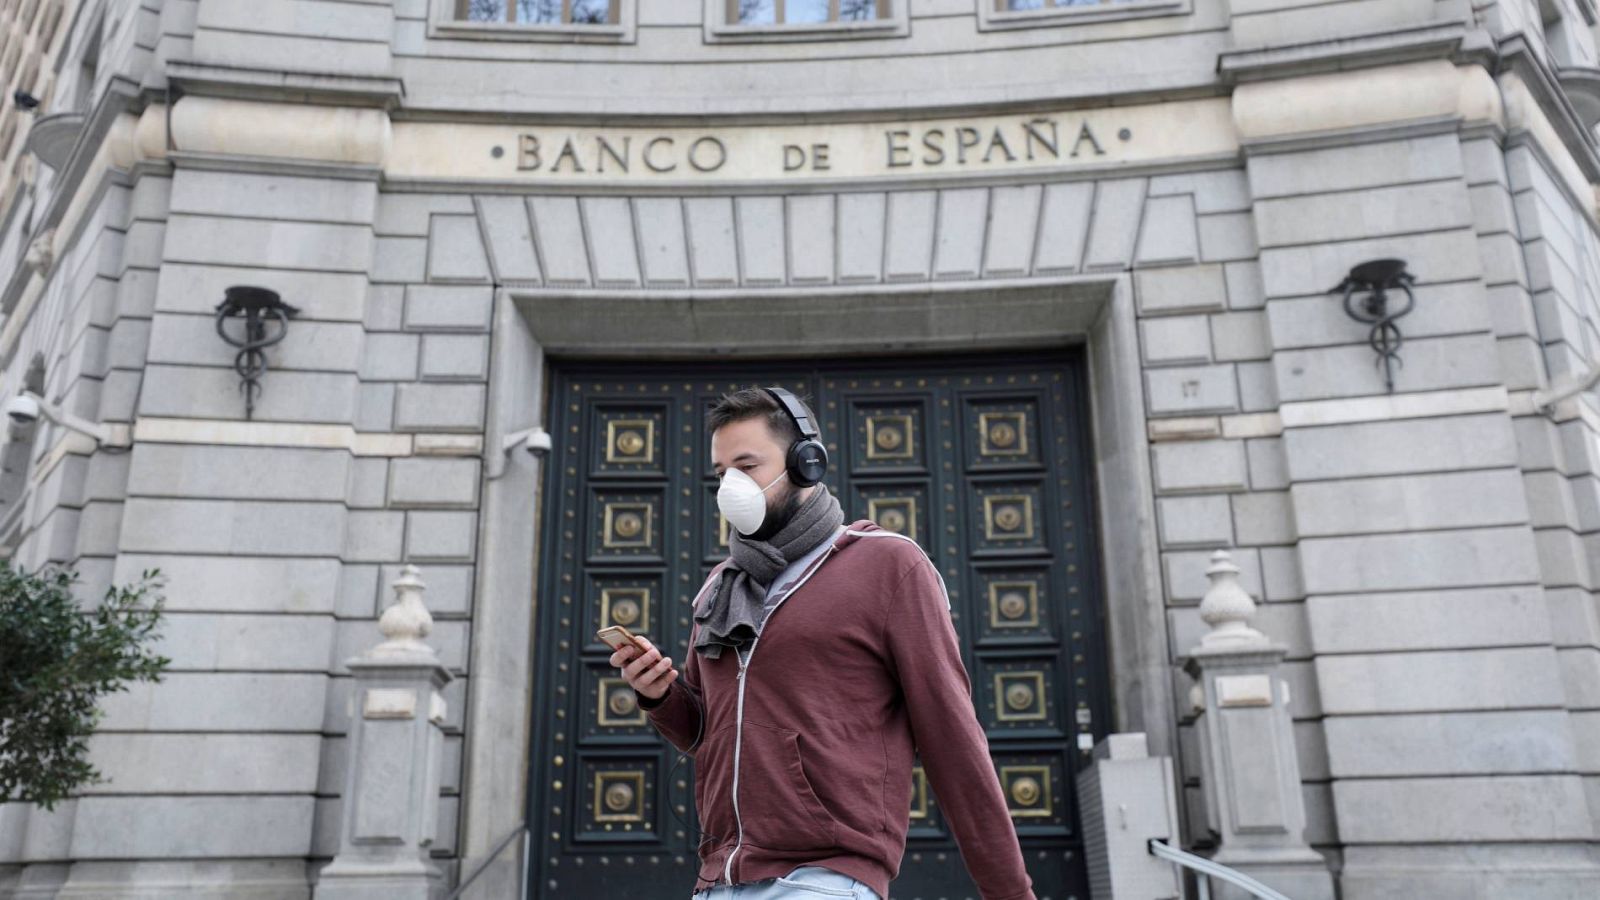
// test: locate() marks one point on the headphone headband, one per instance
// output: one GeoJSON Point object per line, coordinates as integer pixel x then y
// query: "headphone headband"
{"type": "Point", "coordinates": [796, 410]}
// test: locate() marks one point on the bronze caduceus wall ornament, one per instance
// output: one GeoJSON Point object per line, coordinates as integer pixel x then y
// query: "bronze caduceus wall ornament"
{"type": "Point", "coordinates": [1377, 278]}
{"type": "Point", "coordinates": [257, 306]}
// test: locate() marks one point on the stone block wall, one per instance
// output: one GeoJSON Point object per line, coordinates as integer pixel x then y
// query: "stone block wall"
{"type": "Point", "coordinates": [1553, 317]}
{"type": "Point", "coordinates": [1217, 457]}
{"type": "Point", "coordinates": [279, 537]}
{"type": "Point", "coordinates": [1427, 558]}
{"type": "Point", "coordinates": [351, 37]}
{"type": "Point", "coordinates": [1449, 713]}
{"type": "Point", "coordinates": [82, 347]}
{"type": "Point", "coordinates": [1407, 585]}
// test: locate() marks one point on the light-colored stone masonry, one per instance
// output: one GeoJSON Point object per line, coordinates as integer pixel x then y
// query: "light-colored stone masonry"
{"type": "Point", "coordinates": [1429, 559]}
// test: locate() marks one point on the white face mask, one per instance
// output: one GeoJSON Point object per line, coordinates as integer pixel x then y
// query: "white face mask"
{"type": "Point", "coordinates": [742, 501]}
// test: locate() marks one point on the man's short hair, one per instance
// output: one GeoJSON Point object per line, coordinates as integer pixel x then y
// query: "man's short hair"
{"type": "Point", "coordinates": [752, 403]}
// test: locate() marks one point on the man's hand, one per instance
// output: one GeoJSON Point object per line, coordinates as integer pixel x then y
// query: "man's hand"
{"type": "Point", "coordinates": [646, 670]}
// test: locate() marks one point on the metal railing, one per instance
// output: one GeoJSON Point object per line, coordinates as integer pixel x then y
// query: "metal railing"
{"type": "Point", "coordinates": [1203, 867]}
{"type": "Point", "coordinates": [522, 829]}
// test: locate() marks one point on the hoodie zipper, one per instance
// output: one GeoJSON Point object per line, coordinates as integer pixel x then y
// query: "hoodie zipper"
{"type": "Point", "coordinates": [738, 730]}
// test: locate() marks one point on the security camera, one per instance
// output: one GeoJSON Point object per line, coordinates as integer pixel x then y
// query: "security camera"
{"type": "Point", "coordinates": [533, 441]}
{"type": "Point", "coordinates": [23, 409]}
{"type": "Point", "coordinates": [28, 407]}
{"type": "Point", "coordinates": [538, 442]}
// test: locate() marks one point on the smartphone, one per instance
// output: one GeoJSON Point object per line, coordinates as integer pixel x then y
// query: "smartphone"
{"type": "Point", "coordinates": [616, 636]}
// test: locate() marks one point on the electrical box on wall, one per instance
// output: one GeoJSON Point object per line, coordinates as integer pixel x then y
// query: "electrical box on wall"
{"type": "Point", "coordinates": [1128, 798]}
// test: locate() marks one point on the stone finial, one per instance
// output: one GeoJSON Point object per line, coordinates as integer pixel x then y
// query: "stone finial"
{"type": "Point", "coordinates": [407, 621]}
{"type": "Point", "coordinates": [1226, 607]}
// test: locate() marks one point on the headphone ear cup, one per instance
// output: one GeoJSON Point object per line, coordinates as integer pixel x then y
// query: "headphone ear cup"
{"type": "Point", "coordinates": [807, 462]}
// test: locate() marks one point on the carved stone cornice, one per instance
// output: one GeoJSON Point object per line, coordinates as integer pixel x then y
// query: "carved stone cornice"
{"type": "Point", "coordinates": [1380, 48]}
{"type": "Point", "coordinates": [1582, 87]}
{"type": "Point", "coordinates": [262, 129]}
{"type": "Point", "coordinates": [1547, 89]}
{"type": "Point", "coordinates": [285, 85]}
{"type": "Point", "coordinates": [1416, 94]}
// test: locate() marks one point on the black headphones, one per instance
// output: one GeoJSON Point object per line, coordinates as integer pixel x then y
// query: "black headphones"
{"type": "Point", "coordinates": [807, 459]}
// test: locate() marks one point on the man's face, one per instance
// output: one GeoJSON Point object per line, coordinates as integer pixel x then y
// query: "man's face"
{"type": "Point", "coordinates": [749, 446]}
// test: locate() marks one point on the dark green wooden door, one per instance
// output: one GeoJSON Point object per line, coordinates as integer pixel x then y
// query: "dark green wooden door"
{"type": "Point", "coordinates": [983, 460]}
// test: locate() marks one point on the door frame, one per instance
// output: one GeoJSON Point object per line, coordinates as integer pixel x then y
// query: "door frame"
{"type": "Point", "coordinates": [532, 324]}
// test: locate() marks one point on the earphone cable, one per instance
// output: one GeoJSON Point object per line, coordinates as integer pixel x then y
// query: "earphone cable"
{"type": "Point", "coordinates": [700, 836]}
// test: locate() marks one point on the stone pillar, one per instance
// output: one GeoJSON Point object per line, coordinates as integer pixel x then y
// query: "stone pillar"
{"type": "Point", "coordinates": [391, 786]}
{"type": "Point", "coordinates": [1250, 773]}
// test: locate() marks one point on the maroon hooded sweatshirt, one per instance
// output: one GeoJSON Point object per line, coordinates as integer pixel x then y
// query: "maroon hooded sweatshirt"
{"type": "Point", "coordinates": [854, 670]}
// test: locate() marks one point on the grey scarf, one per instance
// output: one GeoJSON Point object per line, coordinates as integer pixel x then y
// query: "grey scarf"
{"type": "Point", "coordinates": [733, 616]}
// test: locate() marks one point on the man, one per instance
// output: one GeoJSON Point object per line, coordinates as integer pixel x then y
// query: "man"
{"type": "Point", "coordinates": [803, 757]}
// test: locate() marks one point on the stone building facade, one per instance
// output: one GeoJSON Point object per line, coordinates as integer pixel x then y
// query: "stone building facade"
{"type": "Point", "coordinates": [487, 215]}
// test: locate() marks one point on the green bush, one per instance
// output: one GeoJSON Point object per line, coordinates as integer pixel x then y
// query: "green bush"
{"type": "Point", "coordinates": [56, 660]}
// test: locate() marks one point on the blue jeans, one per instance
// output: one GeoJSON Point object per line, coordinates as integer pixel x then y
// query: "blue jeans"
{"type": "Point", "coordinates": [804, 883]}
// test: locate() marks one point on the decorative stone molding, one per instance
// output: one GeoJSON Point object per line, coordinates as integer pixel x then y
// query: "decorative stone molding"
{"type": "Point", "coordinates": [1560, 106]}
{"type": "Point", "coordinates": [1410, 94]}
{"type": "Point", "coordinates": [1365, 98]}
{"type": "Point", "coordinates": [150, 137]}
{"type": "Point", "coordinates": [1424, 41]}
{"type": "Point", "coordinates": [1186, 428]}
{"type": "Point", "coordinates": [1523, 113]}
{"type": "Point", "coordinates": [1417, 405]}
{"type": "Point", "coordinates": [164, 430]}
{"type": "Point", "coordinates": [254, 83]}
{"type": "Point", "coordinates": [124, 138]}
{"type": "Point", "coordinates": [235, 433]}
{"type": "Point", "coordinates": [1582, 85]}
{"type": "Point", "coordinates": [1205, 428]}
{"type": "Point", "coordinates": [282, 130]}
{"type": "Point", "coordinates": [41, 253]}
{"type": "Point", "coordinates": [960, 147]}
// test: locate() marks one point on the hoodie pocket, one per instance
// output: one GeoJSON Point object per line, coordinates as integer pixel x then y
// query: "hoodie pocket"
{"type": "Point", "coordinates": [713, 788]}
{"type": "Point", "coordinates": [777, 805]}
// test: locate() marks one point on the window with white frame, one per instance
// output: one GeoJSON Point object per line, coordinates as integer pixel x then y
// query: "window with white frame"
{"type": "Point", "coordinates": [539, 12]}
{"type": "Point", "coordinates": [805, 12]}
{"type": "Point", "coordinates": [790, 20]}
{"type": "Point", "coordinates": [554, 20]}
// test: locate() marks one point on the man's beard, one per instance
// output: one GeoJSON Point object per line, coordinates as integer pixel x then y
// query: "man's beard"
{"type": "Point", "coordinates": [778, 516]}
